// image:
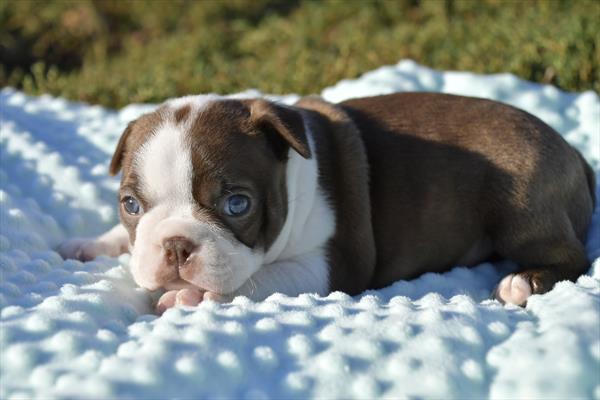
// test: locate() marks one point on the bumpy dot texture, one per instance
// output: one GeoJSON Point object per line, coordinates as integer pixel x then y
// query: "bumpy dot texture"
{"type": "Point", "coordinates": [71, 330]}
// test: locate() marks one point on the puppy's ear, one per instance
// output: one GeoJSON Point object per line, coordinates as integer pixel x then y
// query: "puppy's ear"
{"type": "Point", "coordinates": [117, 158]}
{"type": "Point", "coordinates": [283, 126]}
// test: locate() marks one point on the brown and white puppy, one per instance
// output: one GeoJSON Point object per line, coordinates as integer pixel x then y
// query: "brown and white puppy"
{"type": "Point", "coordinates": [223, 197]}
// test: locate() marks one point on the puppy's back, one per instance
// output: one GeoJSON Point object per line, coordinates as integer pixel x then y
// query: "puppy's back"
{"type": "Point", "coordinates": [446, 171]}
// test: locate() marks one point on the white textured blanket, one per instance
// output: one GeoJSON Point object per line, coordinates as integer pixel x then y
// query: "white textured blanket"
{"type": "Point", "coordinates": [74, 330]}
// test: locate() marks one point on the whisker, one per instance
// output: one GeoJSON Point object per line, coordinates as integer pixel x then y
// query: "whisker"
{"type": "Point", "coordinates": [254, 288]}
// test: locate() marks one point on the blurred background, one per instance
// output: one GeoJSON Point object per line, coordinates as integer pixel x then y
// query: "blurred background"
{"type": "Point", "coordinates": [119, 52]}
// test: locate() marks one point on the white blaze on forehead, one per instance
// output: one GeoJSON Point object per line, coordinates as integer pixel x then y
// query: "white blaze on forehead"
{"type": "Point", "coordinates": [164, 163]}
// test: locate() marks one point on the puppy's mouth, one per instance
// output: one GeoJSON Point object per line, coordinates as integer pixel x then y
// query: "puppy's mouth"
{"type": "Point", "coordinates": [213, 277]}
{"type": "Point", "coordinates": [188, 275]}
{"type": "Point", "coordinates": [181, 269]}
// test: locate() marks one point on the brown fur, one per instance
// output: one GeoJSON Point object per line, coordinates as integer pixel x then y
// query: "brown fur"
{"type": "Point", "coordinates": [182, 114]}
{"type": "Point", "coordinates": [448, 172]}
{"type": "Point", "coordinates": [235, 148]}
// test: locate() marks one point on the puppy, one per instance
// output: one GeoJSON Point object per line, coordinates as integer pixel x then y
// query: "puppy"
{"type": "Point", "coordinates": [223, 197]}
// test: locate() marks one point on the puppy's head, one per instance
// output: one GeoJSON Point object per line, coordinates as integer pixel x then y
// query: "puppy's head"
{"type": "Point", "coordinates": [203, 191]}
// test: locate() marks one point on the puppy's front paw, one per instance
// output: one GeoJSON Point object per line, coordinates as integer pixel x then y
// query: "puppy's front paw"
{"type": "Point", "coordinates": [181, 297]}
{"type": "Point", "coordinates": [513, 289]}
{"type": "Point", "coordinates": [85, 249]}
{"type": "Point", "coordinates": [186, 297]}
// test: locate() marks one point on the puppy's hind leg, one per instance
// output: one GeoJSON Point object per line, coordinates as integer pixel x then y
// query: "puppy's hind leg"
{"type": "Point", "coordinates": [546, 256]}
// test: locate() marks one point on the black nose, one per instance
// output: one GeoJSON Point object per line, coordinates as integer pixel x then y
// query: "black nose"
{"type": "Point", "coordinates": [177, 250]}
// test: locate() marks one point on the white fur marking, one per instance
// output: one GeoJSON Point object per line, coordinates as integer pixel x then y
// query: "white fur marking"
{"type": "Point", "coordinates": [165, 166]}
{"type": "Point", "coordinates": [296, 261]}
{"type": "Point", "coordinates": [164, 161]}
{"type": "Point", "coordinates": [307, 273]}
{"type": "Point", "coordinates": [513, 289]}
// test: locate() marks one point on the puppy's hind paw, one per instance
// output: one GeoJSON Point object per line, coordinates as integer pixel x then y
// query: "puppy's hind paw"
{"type": "Point", "coordinates": [513, 289]}
{"type": "Point", "coordinates": [84, 249]}
{"type": "Point", "coordinates": [112, 243]}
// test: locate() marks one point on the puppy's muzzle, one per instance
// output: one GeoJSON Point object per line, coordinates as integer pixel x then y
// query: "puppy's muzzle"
{"type": "Point", "coordinates": [177, 250]}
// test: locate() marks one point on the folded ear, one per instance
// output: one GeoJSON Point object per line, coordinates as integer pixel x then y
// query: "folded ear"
{"type": "Point", "coordinates": [283, 125]}
{"type": "Point", "coordinates": [117, 158]}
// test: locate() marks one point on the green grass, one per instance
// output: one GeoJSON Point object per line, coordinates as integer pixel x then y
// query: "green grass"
{"type": "Point", "coordinates": [117, 52]}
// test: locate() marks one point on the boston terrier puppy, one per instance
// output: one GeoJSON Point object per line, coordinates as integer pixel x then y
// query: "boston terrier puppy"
{"type": "Point", "coordinates": [222, 197]}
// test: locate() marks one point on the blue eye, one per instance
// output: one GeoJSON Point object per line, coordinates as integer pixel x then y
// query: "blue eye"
{"type": "Point", "coordinates": [236, 205]}
{"type": "Point", "coordinates": [131, 205]}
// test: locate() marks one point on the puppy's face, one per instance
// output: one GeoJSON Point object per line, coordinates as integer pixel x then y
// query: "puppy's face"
{"type": "Point", "coordinates": [203, 192]}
